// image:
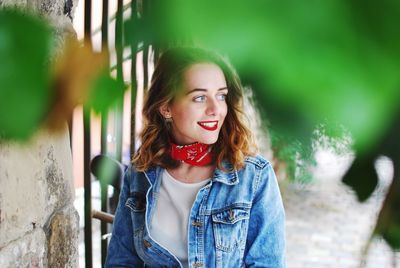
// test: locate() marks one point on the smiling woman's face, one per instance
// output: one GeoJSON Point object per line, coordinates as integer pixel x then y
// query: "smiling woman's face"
{"type": "Point", "coordinates": [200, 110]}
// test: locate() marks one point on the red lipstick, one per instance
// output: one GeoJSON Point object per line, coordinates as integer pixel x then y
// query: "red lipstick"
{"type": "Point", "coordinates": [209, 125]}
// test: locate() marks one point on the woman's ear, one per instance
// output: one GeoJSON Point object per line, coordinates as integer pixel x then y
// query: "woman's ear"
{"type": "Point", "coordinates": [165, 111]}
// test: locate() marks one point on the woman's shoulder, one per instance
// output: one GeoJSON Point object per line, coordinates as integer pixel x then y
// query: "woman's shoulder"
{"type": "Point", "coordinates": [259, 172]}
{"type": "Point", "coordinates": [131, 168]}
{"type": "Point", "coordinates": [138, 180]}
{"type": "Point", "coordinates": [256, 161]}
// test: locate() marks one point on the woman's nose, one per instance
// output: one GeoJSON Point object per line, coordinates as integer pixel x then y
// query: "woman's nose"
{"type": "Point", "coordinates": [212, 107]}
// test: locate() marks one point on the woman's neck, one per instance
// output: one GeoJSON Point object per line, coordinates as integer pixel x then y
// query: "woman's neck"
{"type": "Point", "coordinates": [191, 174]}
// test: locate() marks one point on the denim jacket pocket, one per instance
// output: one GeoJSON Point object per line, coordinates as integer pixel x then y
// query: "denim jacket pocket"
{"type": "Point", "coordinates": [137, 202]}
{"type": "Point", "coordinates": [137, 205]}
{"type": "Point", "coordinates": [230, 227]}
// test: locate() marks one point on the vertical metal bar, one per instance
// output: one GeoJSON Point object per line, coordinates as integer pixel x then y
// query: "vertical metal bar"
{"type": "Point", "coordinates": [105, 49]}
{"type": "Point", "coordinates": [70, 130]}
{"type": "Point", "coordinates": [87, 150]}
{"type": "Point", "coordinates": [120, 78]}
{"type": "Point", "coordinates": [133, 81]}
{"type": "Point", "coordinates": [145, 18]}
{"type": "Point", "coordinates": [158, 44]}
{"type": "Point", "coordinates": [104, 27]}
{"type": "Point", "coordinates": [88, 188]}
{"type": "Point", "coordinates": [103, 224]}
{"type": "Point", "coordinates": [145, 65]}
{"type": "Point", "coordinates": [104, 124]}
{"type": "Point", "coordinates": [104, 128]}
{"type": "Point", "coordinates": [88, 23]}
{"type": "Point", "coordinates": [153, 16]}
{"type": "Point", "coordinates": [156, 50]}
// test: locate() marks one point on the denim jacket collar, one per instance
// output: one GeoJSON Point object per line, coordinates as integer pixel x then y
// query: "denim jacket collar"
{"type": "Point", "coordinates": [228, 175]}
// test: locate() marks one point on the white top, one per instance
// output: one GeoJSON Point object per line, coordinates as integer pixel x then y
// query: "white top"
{"type": "Point", "coordinates": [169, 226]}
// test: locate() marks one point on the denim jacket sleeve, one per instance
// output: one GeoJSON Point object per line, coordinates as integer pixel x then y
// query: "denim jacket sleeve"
{"type": "Point", "coordinates": [265, 245]}
{"type": "Point", "coordinates": [121, 251]}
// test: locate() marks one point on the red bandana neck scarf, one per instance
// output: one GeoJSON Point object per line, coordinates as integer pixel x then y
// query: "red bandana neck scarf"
{"type": "Point", "coordinates": [196, 154]}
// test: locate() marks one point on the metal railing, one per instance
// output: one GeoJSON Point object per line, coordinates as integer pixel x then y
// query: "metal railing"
{"type": "Point", "coordinates": [137, 10]}
{"type": "Point", "coordinates": [137, 13]}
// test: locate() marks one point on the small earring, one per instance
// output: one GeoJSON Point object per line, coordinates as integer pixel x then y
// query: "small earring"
{"type": "Point", "coordinates": [168, 119]}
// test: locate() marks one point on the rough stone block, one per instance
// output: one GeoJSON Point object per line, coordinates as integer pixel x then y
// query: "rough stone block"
{"type": "Point", "coordinates": [36, 180]}
{"type": "Point", "coordinates": [13, 3]}
{"type": "Point", "coordinates": [28, 251]}
{"type": "Point", "coordinates": [63, 231]}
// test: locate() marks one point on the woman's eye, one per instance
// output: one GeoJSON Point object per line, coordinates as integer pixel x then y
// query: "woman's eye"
{"type": "Point", "coordinates": [199, 99]}
{"type": "Point", "coordinates": [221, 97]}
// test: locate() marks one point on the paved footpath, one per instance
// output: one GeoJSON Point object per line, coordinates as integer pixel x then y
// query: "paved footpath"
{"type": "Point", "coordinates": [325, 224]}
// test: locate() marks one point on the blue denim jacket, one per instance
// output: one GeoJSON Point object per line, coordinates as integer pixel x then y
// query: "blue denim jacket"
{"type": "Point", "coordinates": [237, 220]}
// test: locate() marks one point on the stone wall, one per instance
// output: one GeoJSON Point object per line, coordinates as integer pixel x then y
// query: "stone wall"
{"type": "Point", "coordinates": [38, 222]}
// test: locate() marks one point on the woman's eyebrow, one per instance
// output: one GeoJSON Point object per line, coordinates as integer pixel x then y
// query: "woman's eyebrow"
{"type": "Point", "coordinates": [204, 90]}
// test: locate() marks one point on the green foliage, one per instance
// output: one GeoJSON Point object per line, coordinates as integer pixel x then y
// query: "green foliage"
{"type": "Point", "coordinates": [298, 158]}
{"type": "Point", "coordinates": [133, 31]}
{"type": "Point", "coordinates": [105, 92]}
{"type": "Point", "coordinates": [392, 235]}
{"type": "Point", "coordinates": [31, 92]}
{"type": "Point", "coordinates": [334, 137]}
{"type": "Point", "coordinates": [25, 45]}
{"type": "Point", "coordinates": [311, 62]}
{"type": "Point", "coordinates": [308, 61]}
{"type": "Point", "coordinates": [106, 169]}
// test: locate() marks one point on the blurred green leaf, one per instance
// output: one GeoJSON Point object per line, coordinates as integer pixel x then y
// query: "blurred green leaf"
{"type": "Point", "coordinates": [312, 61]}
{"type": "Point", "coordinates": [25, 45]}
{"type": "Point", "coordinates": [105, 92]}
{"type": "Point", "coordinates": [390, 145]}
{"type": "Point", "coordinates": [152, 26]}
{"type": "Point", "coordinates": [133, 31]}
{"type": "Point", "coordinates": [362, 177]}
{"type": "Point", "coordinates": [392, 233]}
{"type": "Point", "coordinates": [297, 157]}
{"type": "Point", "coordinates": [107, 170]}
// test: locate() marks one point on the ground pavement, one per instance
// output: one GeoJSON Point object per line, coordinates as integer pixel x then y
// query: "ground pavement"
{"type": "Point", "coordinates": [325, 224]}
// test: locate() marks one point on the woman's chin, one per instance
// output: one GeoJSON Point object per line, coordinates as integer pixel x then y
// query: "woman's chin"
{"type": "Point", "coordinates": [209, 141]}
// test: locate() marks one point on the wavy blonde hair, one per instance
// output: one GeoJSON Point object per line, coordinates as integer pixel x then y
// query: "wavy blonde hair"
{"type": "Point", "coordinates": [235, 140]}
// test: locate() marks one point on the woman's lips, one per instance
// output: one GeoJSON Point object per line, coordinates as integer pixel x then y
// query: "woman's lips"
{"type": "Point", "coordinates": [209, 125]}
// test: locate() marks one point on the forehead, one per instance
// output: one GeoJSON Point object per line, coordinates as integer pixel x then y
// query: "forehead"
{"type": "Point", "coordinates": [203, 75]}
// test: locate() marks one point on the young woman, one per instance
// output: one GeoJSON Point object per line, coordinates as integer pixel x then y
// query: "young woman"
{"type": "Point", "coordinates": [196, 194]}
